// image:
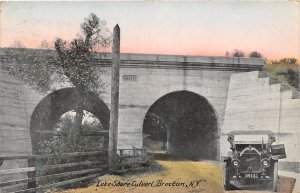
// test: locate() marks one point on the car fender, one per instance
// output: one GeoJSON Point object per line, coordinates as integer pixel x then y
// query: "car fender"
{"type": "Point", "coordinates": [275, 157]}
{"type": "Point", "coordinates": [226, 158]}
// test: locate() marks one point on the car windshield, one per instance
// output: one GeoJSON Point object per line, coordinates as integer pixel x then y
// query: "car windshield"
{"type": "Point", "coordinates": [251, 138]}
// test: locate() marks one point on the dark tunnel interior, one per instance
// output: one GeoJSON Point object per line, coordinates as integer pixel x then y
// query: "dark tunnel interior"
{"type": "Point", "coordinates": [184, 124]}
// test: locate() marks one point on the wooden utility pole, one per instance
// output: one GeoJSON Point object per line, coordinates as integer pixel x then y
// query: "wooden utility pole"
{"type": "Point", "coordinates": [114, 108]}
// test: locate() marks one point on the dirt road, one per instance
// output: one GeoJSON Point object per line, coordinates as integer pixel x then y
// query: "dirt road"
{"type": "Point", "coordinates": [179, 177]}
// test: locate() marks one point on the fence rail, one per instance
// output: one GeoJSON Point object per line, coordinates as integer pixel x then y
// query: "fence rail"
{"type": "Point", "coordinates": [70, 169]}
{"type": "Point", "coordinates": [128, 159]}
{"type": "Point", "coordinates": [14, 157]}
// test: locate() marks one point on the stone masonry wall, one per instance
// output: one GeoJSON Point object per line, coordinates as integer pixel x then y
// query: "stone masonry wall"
{"type": "Point", "coordinates": [16, 106]}
{"type": "Point", "coordinates": [256, 104]}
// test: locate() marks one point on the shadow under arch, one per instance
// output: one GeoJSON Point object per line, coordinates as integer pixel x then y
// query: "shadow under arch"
{"type": "Point", "coordinates": [55, 104]}
{"type": "Point", "coordinates": [186, 123]}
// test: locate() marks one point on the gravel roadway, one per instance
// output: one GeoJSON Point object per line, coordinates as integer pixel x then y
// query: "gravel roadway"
{"type": "Point", "coordinates": [178, 177]}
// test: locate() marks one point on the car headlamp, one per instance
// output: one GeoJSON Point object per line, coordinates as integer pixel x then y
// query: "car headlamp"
{"type": "Point", "coordinates": [265, 163]}
{"type": "Point", "coordinates": [236, 163]}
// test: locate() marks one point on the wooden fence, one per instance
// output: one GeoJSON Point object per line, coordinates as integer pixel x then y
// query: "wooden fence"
{"type": "Point", "coordinates": [53, 171]}
{"type": "Point", "coordinates": [128, 159]}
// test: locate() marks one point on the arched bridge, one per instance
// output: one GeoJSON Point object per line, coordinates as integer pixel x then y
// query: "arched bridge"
{"type": "Point", "coordinates": [174, 103]}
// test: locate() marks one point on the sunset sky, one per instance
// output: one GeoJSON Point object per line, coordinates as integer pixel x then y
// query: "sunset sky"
{"type": "Point", "coordinates": [181, 28]}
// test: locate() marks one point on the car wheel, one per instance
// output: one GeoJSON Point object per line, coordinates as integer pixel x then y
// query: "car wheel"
{"type": "Point", "coordinates": [275, 177]}
{"type": "Point", "coordinates": [226, 177]}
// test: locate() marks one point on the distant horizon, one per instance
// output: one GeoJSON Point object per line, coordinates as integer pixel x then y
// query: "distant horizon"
{"type": "Point", "coordinates": [108, 52]}
{"type": "Point", "coordinates": [198, 28]}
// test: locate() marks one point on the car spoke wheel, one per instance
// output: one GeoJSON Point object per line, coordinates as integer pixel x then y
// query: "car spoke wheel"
{"type": "Point", "coordinates": [275, 177]}
{"type": "Point", "coordinates": [226, 177]}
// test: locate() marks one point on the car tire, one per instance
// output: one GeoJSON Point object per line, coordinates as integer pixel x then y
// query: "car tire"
{"type": "Point", "coordinates": [226, 176]}
{"type": "Point", "coordinates": [275, 177]}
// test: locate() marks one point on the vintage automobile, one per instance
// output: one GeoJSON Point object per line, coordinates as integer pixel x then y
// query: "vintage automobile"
{"type": "Point", "coordinates": [253, 158]}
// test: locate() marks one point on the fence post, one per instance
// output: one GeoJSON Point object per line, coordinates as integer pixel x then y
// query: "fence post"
{"type": "Point", "coordinates": [114, 110]}
{"type": "Point", "coordinates": [32, 163]}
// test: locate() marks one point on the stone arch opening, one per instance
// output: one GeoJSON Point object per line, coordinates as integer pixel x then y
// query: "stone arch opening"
{"type": "Point", "coordinates": [183, 124]}
{"type": "Point", "coordinates": [54, 105]}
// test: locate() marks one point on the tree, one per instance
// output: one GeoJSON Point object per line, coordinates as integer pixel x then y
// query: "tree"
{"type": "Point", "coordinates": [288, 61]}
{"type": "Point", "coordinates": [33, 68]}
{"type": "Point", "coordinates": [227, 54]}
{"type": "Point", "coordinates": [70, 63]}
{"type": "Point", "coordinates": [293, 77]}
{"type": "Point", "coordinates": [44, 45]}
{"type": "Point", "coordinates": [75, 59]}
{"type": "Point", "coordinates": [17, 44]}
{"type": "Point", "coordinates": [255, 54]}
{"type": "Point", "coordinates": [284, 62]}
{"type": "Point", "coordinates": [237, 53]}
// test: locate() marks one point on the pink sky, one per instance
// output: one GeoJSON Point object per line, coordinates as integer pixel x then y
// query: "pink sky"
{"type": "Point", "coordinates": [193, 28]}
